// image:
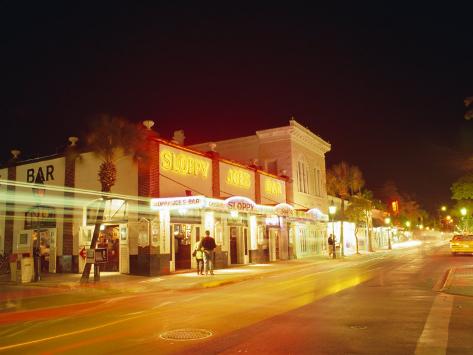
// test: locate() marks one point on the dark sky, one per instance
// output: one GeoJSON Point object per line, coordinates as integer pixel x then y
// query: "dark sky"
{"type": "Point", "coordinates": [383, 84]}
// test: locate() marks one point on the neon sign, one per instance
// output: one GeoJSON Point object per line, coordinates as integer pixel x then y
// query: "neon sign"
{"type": "Point", "coordinates": [238, 178]}
{"type": "Point", "coordinates": [272, 187]}
{"type": "Point", "coordinates": [184, 164]}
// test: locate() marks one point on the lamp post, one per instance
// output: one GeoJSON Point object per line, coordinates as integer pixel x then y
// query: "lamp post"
{"type": "Point", "coordinates": [332, 209]}
{"type": "Point", "coordinates": [387, 221]}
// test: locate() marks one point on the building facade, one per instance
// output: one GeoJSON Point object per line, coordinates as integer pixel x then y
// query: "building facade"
{"type": "Point", "coordinates": [294, 152]}
{"type": "Point", "coordinates": [155, 213]}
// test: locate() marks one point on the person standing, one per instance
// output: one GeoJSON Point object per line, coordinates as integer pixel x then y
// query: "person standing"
{"type": "Point", "coordinates": [199, 257]}
{"type": "Point", "coordinates": [331, 247]}
{"type": "Point", "coordinates": [208, 243]}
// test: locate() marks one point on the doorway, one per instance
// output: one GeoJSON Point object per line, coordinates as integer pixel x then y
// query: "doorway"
{"type": "Point", "coordinates": [182, 234]}
{"type": "Point", "coordinates": [273, 244]}
{"type": "Point", "coordinates": [47, 249]}
{"type": "Point", "coordinates": [109, 239]}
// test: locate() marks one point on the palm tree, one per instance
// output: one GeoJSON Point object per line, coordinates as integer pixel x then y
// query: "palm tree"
{"type": "Point", "coordinates": [344, 181]}
{"type": "Point", "coordinates": [109, 135]}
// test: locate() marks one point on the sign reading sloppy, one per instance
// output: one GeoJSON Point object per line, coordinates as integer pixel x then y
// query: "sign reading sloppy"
{"type": "Point", "coordinates": [184, 164]}
{"type": "Point", "coordinates": [239, 178]}
{"type": "Point", "coordinates": [240, 203]}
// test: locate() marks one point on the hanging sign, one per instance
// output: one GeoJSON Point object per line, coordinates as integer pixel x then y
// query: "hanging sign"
{"type": "Point", "coordinates": [284, 209]}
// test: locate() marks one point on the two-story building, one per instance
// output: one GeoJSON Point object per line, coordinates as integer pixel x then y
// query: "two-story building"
{"type": "Point", "coordinates": [297, 153]}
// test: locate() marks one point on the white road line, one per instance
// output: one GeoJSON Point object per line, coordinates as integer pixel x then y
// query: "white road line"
{"type": "Point", "coordinates": [162, 304]}
{"type": "Point", "coordinates": [434, 337]}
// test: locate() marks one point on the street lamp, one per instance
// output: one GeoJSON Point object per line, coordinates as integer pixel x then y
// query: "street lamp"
{"type": "Point", "coordinates": [387, 221]}
{"type": "Point", "coordinates": [332, 209]}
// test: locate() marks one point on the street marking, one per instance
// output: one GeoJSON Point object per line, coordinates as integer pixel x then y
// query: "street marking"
{"type": "Point", "coordinates": [162, 304]}
{"type": "Point", "coordinates": [434, 337]}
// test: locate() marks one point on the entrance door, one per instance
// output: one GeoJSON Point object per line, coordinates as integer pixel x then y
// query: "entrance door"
{"type": "Point", "coordinates": [109, 239]}
{"type": "Point", "coordinates": [47, 249]}
{"type": "Point", "coordinates": [273, 244]}
{"type": "Point", "coordinates": [182, 243]}
{"type": "Point", "coordinates": [234, 245]}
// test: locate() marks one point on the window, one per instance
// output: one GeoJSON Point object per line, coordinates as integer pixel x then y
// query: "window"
{"type": "Point", "coordinates": [317, 183]}
{"type": "Point", "coordinates": [303, 177]}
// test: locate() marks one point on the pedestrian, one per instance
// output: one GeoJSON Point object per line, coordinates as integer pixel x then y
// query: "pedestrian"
{"type": "Point", "coordinates": [208, 243]}
{"type": "Point", "coordinates": [199, 257]}
{"type": "Point", "coordinates": [331, 247]}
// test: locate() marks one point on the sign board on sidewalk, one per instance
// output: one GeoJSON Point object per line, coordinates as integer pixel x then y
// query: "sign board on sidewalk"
{"type": "Point", "coordinates": [90, 256]}
{"type": "Point", "coordinates": [99, 255]}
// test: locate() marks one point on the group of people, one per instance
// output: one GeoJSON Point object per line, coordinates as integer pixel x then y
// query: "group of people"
{"type": "Point", "coordinates": [204, 254]}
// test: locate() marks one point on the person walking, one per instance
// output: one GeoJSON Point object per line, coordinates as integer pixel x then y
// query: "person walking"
{"type": "Point", "coordinates": [208, 243]}
{"type": "Point", "coordinates": [199, 257]}
{"type": "Point", "coordinates": [331, 247]}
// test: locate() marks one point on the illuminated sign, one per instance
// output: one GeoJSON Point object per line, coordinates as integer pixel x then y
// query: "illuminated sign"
{"type": "Point", "coordinates": [272, 187]}
{"type": "Point", "coordinates": [240, 203]}
{"type": "Point", "coordinates": [284, 209]}
{"type": "Point", "coordinates": [239, 178]}
{"type": "Point", "coordinates": [176, 203]}
{"type": "Point", "coordinates": [184, 164]}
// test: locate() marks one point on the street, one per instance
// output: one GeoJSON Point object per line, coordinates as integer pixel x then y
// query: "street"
{"type": "Point", "coordinates": [383, 303]}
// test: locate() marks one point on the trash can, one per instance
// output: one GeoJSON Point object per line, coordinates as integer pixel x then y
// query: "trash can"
{"type": "Point", "coordinates": [24, 269]}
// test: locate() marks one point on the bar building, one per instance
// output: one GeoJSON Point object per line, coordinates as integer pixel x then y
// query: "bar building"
{"type": "Point", "coordinates": [156, 212]}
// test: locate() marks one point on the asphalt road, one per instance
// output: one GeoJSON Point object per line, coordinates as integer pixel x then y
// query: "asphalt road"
{"type": "Point", "coordinates": [390, 304]}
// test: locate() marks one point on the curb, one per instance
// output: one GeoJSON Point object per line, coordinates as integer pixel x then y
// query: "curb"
{"type": "Point", "coordinates": [448, 279]}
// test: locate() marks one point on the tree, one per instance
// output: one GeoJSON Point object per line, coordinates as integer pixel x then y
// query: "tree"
{"type": "Point", "coordinates": [462, 191]}
{"type": "Point", "coordinates": [359, 212]}
{"type": "Point", "coordinates": [344, 181]}
{"type": "Point", "coordinates": [108, 136]}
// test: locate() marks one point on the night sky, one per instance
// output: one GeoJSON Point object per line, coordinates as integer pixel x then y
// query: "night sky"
{"type": "Point", "coordinates": [383, 84]}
